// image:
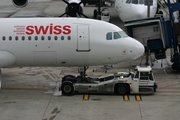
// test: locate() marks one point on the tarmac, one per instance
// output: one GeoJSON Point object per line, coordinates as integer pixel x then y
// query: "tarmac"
{"type": "Point", "coordinates": [28, 93]}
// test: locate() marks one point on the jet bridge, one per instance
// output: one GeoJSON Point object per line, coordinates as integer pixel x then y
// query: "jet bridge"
{"type": "Point", "coordinates": [158, 34]}
{"type": "Point", "coordinates": [151, 33]}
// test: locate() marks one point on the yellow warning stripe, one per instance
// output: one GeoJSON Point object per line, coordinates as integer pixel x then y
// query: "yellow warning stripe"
{"type": "Point", "coordinates": [138, 98]}
{"type": "Point", "coordinates": [126, 98]}
{"type": "Point", "coordinates": [86, 97]}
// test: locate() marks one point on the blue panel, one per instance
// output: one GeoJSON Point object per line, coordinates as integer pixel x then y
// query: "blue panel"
{"type": "Point", "coordinates": [167, 34]}
{"type": "Point", "coordinates": [155, 45]}
{"type": "Point", "coordinates": [160, 54]}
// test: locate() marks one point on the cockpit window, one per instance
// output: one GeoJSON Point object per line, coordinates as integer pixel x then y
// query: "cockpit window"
{"type": "Point", "coordinates": [123, 34]}
{"type": "Point", "coordinates": [116, 35]}
{"type": "Point", "coordinates": [135, 1]}
{"type": "Point", "coordinates": [141, 1]}
{"type": "Point", "coordinates": [128, 1]}
{"type": "Point", "coordinates": [109, 36]}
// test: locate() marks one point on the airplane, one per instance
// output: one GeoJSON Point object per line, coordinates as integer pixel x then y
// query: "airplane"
{"type": "Point", "coordinates": [134, 9]}
{"type": "Point", "coordinates": [73, 8]}
{"type": "Point", "coordinates": [126, 9]}
{"type": "Point", "coordinates": [64, 42]}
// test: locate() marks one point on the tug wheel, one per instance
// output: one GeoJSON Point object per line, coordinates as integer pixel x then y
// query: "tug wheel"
{"type": "Point", "coordinates": [67, 88]}
{"type": "Point", "coordinates": [122, 89]}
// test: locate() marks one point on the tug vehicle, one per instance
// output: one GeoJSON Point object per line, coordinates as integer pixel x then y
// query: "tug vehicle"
{"type": "Point", "coordinates": [140, 81]}
{"type": "Point", "coordinates": [105, 16]}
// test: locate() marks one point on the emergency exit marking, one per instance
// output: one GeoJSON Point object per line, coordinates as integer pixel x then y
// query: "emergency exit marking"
{"type": "Point", "coordinates": [126, 98]}
{"type": "Point", "coordinates": [138, 98]}
{"type": "Point", "coordinates": [86, 97]}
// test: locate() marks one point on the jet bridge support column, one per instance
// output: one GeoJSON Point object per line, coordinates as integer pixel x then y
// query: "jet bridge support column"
{"type": "Point", "coordinates": [172, 8]}
{"type": "Point", "coordinates": [0, 78]}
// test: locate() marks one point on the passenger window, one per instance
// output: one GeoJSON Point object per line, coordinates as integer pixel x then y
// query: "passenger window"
{"type": "Point", "coordinates": [4, 38]}
{"type": "Point", "coordinates": [55, 37]}
{"type": "Point", "coordinates": [62, 37]}
{"type": "Point", "coordinates": [69, 38]}
{"type": "Point", "coordinates": [116, 35]}
{"type": "Point", "coordinates": [10, 38]}
{"type": "Point", "coordinates": [36, 38]}
{"type": "Point", "coordinates": [23, 38]}
{"type": "Point", "coordinates": [49, 37]}
{"type": "Point", "coordinates": [29, 37]}
{"type": "Point", "coordinates": [109, 36]}
{"type": "Point", "coordinates": [42, 37]}
{"type": "Point", "coordinates": [16, 38]}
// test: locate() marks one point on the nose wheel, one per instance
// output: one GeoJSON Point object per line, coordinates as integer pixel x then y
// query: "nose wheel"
{"type": "Point", "coordinates": [82, 71]}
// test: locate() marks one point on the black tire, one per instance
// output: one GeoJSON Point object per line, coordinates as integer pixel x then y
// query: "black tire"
{"type": "Point", "coordinates": [68, 77]}
{"type": "Point", "coordinates": [155, 87]}
{"type": "Point", "coordinates": [122, 89]}
{"type": "Point", "coordinates": [67, 88]}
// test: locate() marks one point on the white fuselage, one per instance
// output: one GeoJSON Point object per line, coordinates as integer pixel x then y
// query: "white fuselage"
{"type": "Point", "coordinates": [129, 10]}
{"type": "Point", "coordinates": [63, 42]}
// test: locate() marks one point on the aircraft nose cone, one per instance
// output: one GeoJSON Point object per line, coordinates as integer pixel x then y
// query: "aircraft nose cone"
{"type": "Point", "coordinates": [138, 49]}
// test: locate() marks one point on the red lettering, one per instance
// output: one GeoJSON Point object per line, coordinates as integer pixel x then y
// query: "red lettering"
{"type": "Point", "coordinates": [41, 28]}
{"type": "Point", "coordinates": [66, 29]}
{"type": "Point", "coordinates": [57, 29]}
{"type": "Point", "coordinates": [30, 30]}
{"type": "Point", "coordinates": [50, 29]}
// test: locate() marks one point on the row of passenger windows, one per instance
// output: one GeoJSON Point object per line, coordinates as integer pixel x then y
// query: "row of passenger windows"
{"type": "Point", "coordinates": [145, 2]}
{"type": "Point", "coordinates": [116, 35]}
{"type": "Point", "coordinates": [36, 38]}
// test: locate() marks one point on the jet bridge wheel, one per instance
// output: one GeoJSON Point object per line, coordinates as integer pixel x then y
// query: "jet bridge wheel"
{"type": "Point", "coordinates": [122, 89]}
{"type": "Point", "coordinates": [67, 88]}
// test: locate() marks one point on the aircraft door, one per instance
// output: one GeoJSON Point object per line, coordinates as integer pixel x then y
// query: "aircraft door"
{"type": "Point", "coordinates": [83, 38]}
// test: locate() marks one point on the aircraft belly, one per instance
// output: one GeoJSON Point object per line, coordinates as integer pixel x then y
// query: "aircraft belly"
{"type": "Point", "coordinates": [45, 58]}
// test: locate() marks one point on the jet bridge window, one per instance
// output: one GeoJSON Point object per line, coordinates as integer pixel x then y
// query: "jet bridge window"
{"type": "Point", "coordinates": [109, 36]}
{"type": "Point", "coordinates": [139, 2]}
{"type": "Point", "coordinates": [117, 35]}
